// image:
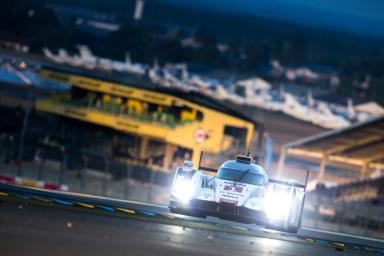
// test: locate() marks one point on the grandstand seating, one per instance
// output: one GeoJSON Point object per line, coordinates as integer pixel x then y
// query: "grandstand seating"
{"type": "Point", "coordinates": [367, 190]}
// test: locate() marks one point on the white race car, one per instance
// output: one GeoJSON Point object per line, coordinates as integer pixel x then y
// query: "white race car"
{"type": "Point", "coordinates": [240, 191]}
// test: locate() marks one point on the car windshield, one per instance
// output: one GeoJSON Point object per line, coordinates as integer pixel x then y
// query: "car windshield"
{"type": "Point", "coordinates": [234, 174]}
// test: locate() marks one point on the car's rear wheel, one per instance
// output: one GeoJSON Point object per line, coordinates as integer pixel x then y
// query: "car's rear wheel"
{"type": "Point", "coordinates": [293, 230]}
{"type": "Point", "coordinates": [175, 210]}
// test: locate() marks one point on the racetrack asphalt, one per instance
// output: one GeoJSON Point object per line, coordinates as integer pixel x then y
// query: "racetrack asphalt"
{"type": "Point", "coordinates": [31, 228]}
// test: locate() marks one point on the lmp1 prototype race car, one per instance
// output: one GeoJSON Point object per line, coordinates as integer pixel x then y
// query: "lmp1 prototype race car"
{"type": "Point", "coordinates": [240, 191]}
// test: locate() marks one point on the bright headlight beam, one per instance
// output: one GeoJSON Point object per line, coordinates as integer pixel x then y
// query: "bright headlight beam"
{"type": "Point", "coordinates": [183, 190]}
{"type": "Point", "coordinates": [277, 205]}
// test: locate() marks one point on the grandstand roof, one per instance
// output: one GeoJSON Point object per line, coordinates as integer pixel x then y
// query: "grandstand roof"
{"type": "Point", "coordinates": [361, 144]}
{"type": "Point", "coordinates": [192, 96]}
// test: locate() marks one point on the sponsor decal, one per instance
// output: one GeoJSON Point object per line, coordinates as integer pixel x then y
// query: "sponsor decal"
{"type": "Point", "coordinates": [228, 201]}
{"type": "Point", "coordinates": [74, 112]}
{"type": "Point", "coordinates": [127, 125]}
{"type": "Point", "coordinates": [200, 135]}
{"type": "Point", "coordinates": [121, 90]}
{"type": "Point", "coordinates": [153, 96]}
{"type": "Point", "coordinates": [238, 189]}
{"type": "Point", "coordinates": [88, 83]}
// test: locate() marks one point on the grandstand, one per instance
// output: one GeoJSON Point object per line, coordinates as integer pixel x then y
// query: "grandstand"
{"type": "Point", "coordinates": [359, 147]}
{"type": "Point", "coordinates": [361, 190]}
{"type": "Point", "coordinates": [163, 123]}
{"type": "Point", "coordinates": [355, 152]}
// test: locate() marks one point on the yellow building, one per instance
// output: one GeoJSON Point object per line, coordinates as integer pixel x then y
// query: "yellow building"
{"type": "Point", "coordinates": [187, 120]}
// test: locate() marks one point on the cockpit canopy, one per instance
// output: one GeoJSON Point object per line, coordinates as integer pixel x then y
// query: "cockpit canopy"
{"type": "Point", "coordinates": [249, 173]}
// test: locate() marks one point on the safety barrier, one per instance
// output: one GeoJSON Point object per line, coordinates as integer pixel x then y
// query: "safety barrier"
{"type": "Point", "coordinates": [31, 183]}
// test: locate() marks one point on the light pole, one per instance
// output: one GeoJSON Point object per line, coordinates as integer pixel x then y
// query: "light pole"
{"type": "Point", "coordinates": [139, 8]}
{"type": "Point", "coordinates": [23, 129]}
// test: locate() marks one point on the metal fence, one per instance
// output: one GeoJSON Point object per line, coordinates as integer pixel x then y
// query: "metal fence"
{"type": "Point", "coordinates": [361, 218]}
{"type": "Point", "coordinates": [87, 172]}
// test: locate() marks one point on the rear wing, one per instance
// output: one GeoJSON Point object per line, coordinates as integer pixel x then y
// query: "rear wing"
{"type": "Point", "coordinates": [205, 168]}
{"type": "Point", "coordinates": [287, 183]}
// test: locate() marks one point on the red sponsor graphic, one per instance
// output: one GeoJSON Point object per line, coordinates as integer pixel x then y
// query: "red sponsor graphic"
{"type": "Point", "coordinates": [228, 201]}
{"type": "Point", "coordinates": [200, 135]}
{"type": "Point", "coordinates": [51, 186]}
{"type": "Point", "coordinates": [7, 179]}
{"type": "Point", "coordinates": [237, 189]}
{"type": "Point", "coordinates": [31, 183]}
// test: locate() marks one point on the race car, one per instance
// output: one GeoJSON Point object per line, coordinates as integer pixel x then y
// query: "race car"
{"type": "Point", "coordinates": [239, 191]}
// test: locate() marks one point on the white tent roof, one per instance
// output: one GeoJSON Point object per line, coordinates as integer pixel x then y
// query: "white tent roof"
{"type": "Point", "coordinates": [372, 108]}
{"type": "Point", "coordinates": [255, 83]}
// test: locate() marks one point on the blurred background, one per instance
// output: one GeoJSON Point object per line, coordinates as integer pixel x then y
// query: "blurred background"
{"type": "Point", "coordinates": [109, 97]}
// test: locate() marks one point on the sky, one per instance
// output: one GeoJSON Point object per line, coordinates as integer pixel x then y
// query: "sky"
{"type": "Point", "coordinates": [358, 16]}
{"type": "Point", "coordinates": [370, 9]}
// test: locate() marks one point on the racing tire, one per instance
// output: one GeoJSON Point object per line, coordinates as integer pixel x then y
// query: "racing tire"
{"type": "Point", "coordinates": [293, 230]}
{"type": "Point", "coordinates": [176, 210]}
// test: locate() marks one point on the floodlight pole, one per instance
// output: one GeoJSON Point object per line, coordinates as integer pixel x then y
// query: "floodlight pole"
{"type": "Point", "coordinates": [200, 159]}
{"type": "Point", "coordinates": [23, 130]}
{"type": "Point", "coordinates": [249, 147]}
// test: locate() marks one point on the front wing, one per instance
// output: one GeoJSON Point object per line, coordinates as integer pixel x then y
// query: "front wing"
{"type": "Point", "coordinates": [220, 210]}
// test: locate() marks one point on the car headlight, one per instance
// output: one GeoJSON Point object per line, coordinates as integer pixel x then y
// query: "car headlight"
{"type": "Point", "coordinates": [183, 189]}
{"type": "Point", "coordinates": [277, 205]}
